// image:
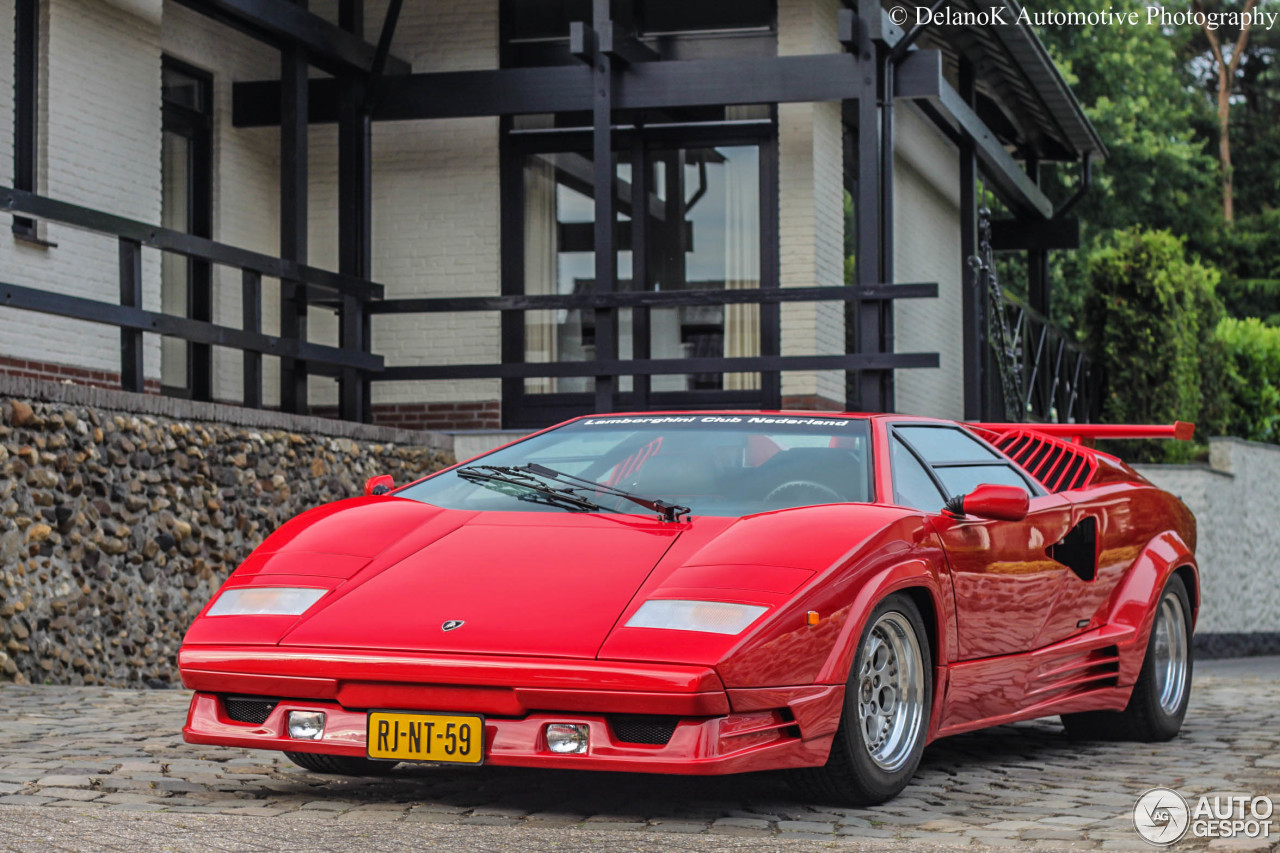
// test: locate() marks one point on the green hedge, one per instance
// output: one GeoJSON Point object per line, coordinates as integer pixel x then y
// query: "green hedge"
{"type": "Point", "coordinates": [1252, 351]}
{"type": "Point", "coordinates": [1150, 315]}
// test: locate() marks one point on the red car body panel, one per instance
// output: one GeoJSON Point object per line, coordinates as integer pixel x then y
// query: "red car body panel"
{"type": "Point", "coordinates": [1014, 633]}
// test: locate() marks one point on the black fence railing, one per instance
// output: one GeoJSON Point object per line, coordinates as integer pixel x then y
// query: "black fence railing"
{"type": "Point", "coordinates": [133, 320]}
{"type": "Point", "coordinates": [1056, 381]}
{"type": "Point", "coordinates": [327, 289]}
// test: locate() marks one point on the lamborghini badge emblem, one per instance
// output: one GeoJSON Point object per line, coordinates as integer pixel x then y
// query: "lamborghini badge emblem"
{"type": "Point", "coordinates": [450, 624]}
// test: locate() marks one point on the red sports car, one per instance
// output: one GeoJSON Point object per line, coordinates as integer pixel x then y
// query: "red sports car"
{"type": "Point", "coordinates": [707, 593]}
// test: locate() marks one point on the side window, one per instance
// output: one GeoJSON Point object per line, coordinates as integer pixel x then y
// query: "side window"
{"type": "Point", "coordinates": [912, 485]}
{"type": "Point", "coordinates": [960, 461]}
{"type": "Point", "coordinates": [946, 444]}
{"type": "Point", "coordinates": [961, 479]}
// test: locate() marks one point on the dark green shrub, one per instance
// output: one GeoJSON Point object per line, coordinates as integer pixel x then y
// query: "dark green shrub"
{"type": "Point", "coordinates": [1149, 318]}
{"type": "Point", "coordinates": [1252, 350]}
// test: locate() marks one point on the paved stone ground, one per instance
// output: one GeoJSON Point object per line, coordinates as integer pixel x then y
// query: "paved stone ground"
{"type": "Point", "coordinates": [93, 768]}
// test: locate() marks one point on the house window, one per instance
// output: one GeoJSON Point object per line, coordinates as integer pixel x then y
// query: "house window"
{"type": "Point", "coordinates": [705, 225]}
{"type": "Point", "coordinates": [26, 64]}
{"type": "Point", "coordinates": [186, 205]}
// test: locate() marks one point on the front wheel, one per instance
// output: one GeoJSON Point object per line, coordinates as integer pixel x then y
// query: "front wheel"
{"type": "Point", "coordinates": [886, 712]}
{"type": "Point", "coordinates": [1158, 703]}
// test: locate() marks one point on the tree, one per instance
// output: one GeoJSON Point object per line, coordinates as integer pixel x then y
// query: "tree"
{"type": "Point", "coordinates": [1146, 109]}
{"type": "Point", "coordinates": [1226, 69]}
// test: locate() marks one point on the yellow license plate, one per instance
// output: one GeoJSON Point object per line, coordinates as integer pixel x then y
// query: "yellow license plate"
{"type": "Point", "coordinates": [405, 736]}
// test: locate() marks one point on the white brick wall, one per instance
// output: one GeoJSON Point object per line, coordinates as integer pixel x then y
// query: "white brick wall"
{"type": "Point", "coordinates": [435, 211]}
{"type": "Point", "coordinates": [926, 237]}
{"type": "Point", "coordinates": [99, 147]}
{"type": "Point", "coordinates": [436, 222]}
{"type": "Point", "coordinates": [811, 204]}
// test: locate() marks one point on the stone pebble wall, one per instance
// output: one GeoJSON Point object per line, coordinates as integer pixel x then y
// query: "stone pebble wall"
{"type": "Point", "coordinates": [115, 529]}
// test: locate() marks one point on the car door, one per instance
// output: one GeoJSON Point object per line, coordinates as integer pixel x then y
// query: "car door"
{"type": "Point", "coordinates": [1004, 582]}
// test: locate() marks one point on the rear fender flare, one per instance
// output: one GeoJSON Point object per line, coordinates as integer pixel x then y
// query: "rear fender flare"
{"type": "Point", "coordinates": [1134, 600]}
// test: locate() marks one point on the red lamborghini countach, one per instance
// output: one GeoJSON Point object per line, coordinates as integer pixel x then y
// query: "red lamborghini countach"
{"type": "Point", "coordinates": [707, 593]}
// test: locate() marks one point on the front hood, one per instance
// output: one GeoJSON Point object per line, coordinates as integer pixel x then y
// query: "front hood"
{"type": "Point", "coordinates": [519, 582]}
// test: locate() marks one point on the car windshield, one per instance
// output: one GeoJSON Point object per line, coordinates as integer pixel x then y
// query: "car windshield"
{"type": "Point", "coordinates": [724, 464]}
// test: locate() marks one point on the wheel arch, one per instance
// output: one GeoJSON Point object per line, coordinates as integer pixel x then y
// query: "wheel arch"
{"type": "Point", "coordinates": [1191, 580]}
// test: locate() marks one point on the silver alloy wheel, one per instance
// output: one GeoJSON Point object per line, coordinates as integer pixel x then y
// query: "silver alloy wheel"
{"type": "Point", "coordinates": [1169, 653]}
{"type": "Point", "coordinates": [890, 689]}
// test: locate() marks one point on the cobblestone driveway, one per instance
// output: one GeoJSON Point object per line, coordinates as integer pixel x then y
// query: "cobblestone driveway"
{"type": "Point", "coordinates": [96, 754]}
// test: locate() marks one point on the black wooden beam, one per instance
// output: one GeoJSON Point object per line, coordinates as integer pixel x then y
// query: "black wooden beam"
{"type": "Point", "coordinates": [606, 258]}
{"type": "Point", "coordinates": [354, 236]}
{"type": "Point", "coordinates": [651, 299]}
{"type": "Point", "coordinates": [973, 301]}
{"type": "Point", "coordinates": [640, 234]}
{"type": "Point", "coordinates": [568, 88]}
{"type": "Point", "coordinates": [919, 76]}
{"type": "Point", "coordinates": [293, 218]}
{"type": "Point", "coordinates": [867, 391]}
{"type": "Point", "coordinates": [251, 314]}
{"type": "Point", "coordinates": [283, 23]}
{"type": "Point", "coordinates": [26, 90]}
{"type": "Point", "coordinates": [131, 372]}
{"type": "Point", "coordinates": [133, 321]}
{"type": "Point", "coordinates": [189, 245]}
{"type": "Point", "coordinates": [1020, 235]}
{"type": "Point", "coordinates": [658, 366]}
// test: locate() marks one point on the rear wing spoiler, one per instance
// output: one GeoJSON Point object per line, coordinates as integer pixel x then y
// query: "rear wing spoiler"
{"type": "Point", "coordinates": [1088, 433]}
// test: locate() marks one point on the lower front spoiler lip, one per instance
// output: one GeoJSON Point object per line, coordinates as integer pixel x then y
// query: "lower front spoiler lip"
{"type": "Point", "coordinates": [698, 746]}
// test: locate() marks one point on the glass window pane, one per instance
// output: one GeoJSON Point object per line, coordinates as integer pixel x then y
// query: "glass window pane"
{"type": "Point", "coordinates": [912, 485]}
{"type": "Point", "coordinates": [559, 257]}
{"type": "Point", "coordinates": [963, 479]}
{"type": "Point", "coordinates": [945, 444]}
{"type": "Point", "coordinates": [183, 90]}
{"type": "Point", "coordinates": [704, 234]}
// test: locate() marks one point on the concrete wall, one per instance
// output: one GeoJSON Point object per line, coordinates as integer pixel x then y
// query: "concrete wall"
{"type": "Point", "coordinates": [1237, 505]}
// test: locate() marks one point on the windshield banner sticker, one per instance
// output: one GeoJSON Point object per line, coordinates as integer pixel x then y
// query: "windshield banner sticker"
{"type": "Point", "coordinates": [772, 420]}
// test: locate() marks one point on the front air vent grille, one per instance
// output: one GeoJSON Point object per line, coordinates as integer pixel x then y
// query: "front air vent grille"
{"type": "Point", "coordinates": [249, 709]}
{"type": "Point", "coordinates": [644, 728]}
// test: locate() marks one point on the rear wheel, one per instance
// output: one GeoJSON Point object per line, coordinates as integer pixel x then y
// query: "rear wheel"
{"type": "Point", "coordinates": [886, 712]}
{"type": "Point", "coordinates": [343, 765]}
{"type": "Point", "coordinates": [1159, 699]}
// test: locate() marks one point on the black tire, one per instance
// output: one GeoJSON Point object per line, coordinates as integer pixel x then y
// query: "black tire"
{"type": "Point", "coordinates": [1144, 719]}
{"type": "Point", "coordinates": [342, 765]}
{"type": "Point", "coordinates": [851, 776]}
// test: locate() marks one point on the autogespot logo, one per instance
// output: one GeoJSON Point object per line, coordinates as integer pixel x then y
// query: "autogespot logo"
{"type": "Point", "coordinates": [1161, 816]}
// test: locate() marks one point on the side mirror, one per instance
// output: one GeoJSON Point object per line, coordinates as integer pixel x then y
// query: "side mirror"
{"type": "Point", "coordinates": [1001, 503]}
{"type": "Point", "coordinates": [379, 485]}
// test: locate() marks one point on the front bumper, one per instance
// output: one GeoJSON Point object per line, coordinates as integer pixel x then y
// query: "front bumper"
{"type": "Point", "coordinates": [720, 731]}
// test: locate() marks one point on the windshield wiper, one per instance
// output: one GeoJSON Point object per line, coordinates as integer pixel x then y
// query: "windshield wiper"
{"type": "Point", "coordinates": [666, 511]}
{"type": "Point", "coordinates": [537, 490]}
